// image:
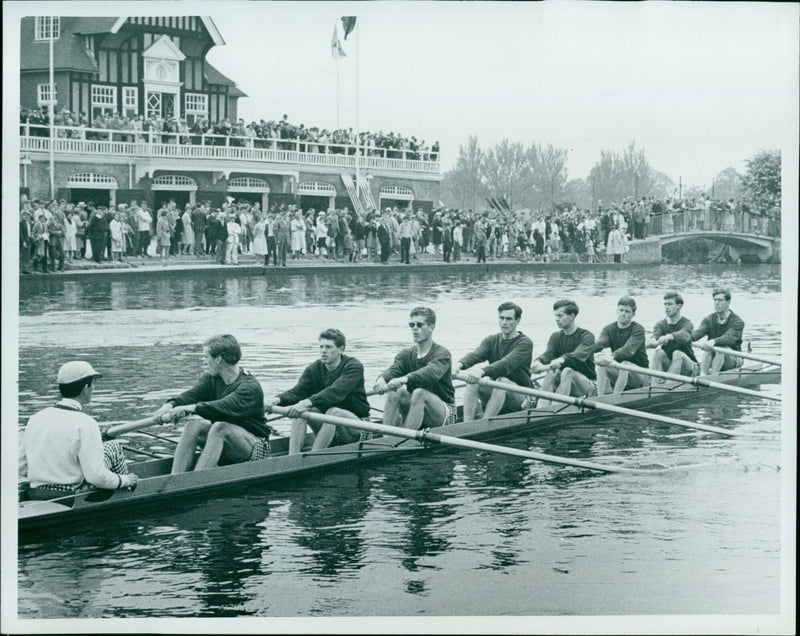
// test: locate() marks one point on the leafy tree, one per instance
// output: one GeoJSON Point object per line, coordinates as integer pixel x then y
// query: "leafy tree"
{"type": "Point", "coordinates": [462, 186]}
{"type": "Point", "coordinates": [548, 169]}
{"type": "Point", "coordinates": [620, 175]}
{"type": "Point", "coordinates": [727, 185]}
{"type": "Point", "coordinates": [762, 182]}
{"type": "Point", "coordinates": [579, 192]}
{"type": "Point", "coordinates": [506, 171]}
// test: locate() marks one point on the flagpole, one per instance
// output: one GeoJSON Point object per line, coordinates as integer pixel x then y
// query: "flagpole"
{"type": "Point", "coordinates": [358, 149]}
{"type": "Point", "coordinates": [52, 118]}
{"type": "Point", "coordinates": [337, 94]}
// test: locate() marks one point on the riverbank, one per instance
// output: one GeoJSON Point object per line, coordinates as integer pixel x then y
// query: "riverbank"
{"type": "Point", "coordinates": [251, 264]}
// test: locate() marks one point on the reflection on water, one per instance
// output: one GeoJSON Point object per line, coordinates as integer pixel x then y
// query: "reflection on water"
{"type": "Point", "coordinates": [438, 533]}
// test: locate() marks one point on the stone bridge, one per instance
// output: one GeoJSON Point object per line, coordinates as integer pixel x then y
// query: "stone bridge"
{"type": "Point", "coordinates": [742, 246]}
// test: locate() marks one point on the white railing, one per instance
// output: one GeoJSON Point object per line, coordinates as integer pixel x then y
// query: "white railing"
{"type": "Point", "coordinates": [142, 143]}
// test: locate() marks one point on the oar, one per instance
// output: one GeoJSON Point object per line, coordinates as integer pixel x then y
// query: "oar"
{"type": "Point", "coordinates": [746, 356]}
{"type": "Point", "coordinates": [696, 381]}
{"type": "Point", "coordinates": [601, 406]}
{"type": "Point", "coordinates": [372, 392]}
{"type": "Point", "coordinates": [426, 436]}
{"type": "Point", "coordinates": [119, 429]}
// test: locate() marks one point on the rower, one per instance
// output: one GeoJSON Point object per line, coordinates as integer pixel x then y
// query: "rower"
{"type": "Point", "coordinates": [62, 450]}
{"type": "Point", "coordinates": [231, 403]}
{"type": "Point", "coordinates": [672, 340]}
{"type": "Point", "coordinates": [625, 338]}
{"type": "Point", "coordinates": [418, 384]}
{"type": "Point", "coordinates": [509, 356]}
{"type": "Point", "coordinates": [569, 357]}
{"type": "Point", "coordinates": [723, 328]}
{"type": "Point", "coordinates": [333, 385]}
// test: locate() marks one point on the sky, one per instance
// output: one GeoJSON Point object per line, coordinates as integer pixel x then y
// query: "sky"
{"type": "Point", "coordinates": [699, 86]}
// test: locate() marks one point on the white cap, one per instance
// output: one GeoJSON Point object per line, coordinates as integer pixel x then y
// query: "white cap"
{"type": "Point", "coordinates": [74, 371]}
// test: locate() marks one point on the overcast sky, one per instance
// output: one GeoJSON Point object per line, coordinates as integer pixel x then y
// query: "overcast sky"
{"type": "Point", "coordinates": [700, 86]}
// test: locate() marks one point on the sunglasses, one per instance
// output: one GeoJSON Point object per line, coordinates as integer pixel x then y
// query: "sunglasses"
{"type": "Point", "coordinates": [418, 325]}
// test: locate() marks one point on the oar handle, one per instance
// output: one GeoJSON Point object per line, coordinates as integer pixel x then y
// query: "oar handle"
{"type": "Point", "coordinates": [746, 356]}
{"type": "Point", "coordinates": [119, 429]}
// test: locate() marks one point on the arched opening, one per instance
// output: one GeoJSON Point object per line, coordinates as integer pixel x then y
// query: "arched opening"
{"type": "Point", "coordinates": [251, 190]}
{"type": "Point", "coordinates": [86, 187]}
{"type": "Point", "coordinates": [173, 186]}
{"type": "Point", "coordinates": [395, 196]}
{"type": "Point", "coordinates": [317, 195]}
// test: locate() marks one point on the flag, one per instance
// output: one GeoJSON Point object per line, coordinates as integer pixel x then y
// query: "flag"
{"type": "Point", "coordinates": [348, 24]}
{"type": "Point", "coordinates": [343, 27]}
{"type": "Point", "coordinates": [337, 50]}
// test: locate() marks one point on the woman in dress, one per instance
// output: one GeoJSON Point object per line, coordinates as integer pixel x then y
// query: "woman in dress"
{"type": "Point", "coordinates": [163, 235]}
{"type": "Point", "coordinates": [322, 236]}
{"type": "Point", "coordinates": [260, 239]}
{"type": "Point", "coordinates": [298, 230]}
{"type": "Point", "coordinates": [187, 238]}
{"type": "Point", "coordinates": [71, 236]}
{"type": "Point", "coordinates": [117, 238]}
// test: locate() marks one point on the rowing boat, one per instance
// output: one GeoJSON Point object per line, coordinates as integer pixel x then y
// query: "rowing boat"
{"type": "Point", "coordinates": [157, 485]}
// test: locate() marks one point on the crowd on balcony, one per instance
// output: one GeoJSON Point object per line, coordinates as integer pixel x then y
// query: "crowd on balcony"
{"type": "Point", "coordinates": [280, 134]}
{"type": "Point", "coordinates": [55, 232]}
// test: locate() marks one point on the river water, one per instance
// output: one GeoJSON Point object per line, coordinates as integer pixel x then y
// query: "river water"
{"type": "Point", "coordinates": [443, 533]}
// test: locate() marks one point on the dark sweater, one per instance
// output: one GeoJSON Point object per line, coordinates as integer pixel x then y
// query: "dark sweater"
{"type": "Point", "coordinates": [576, 349]}
{"type": "Point", "coordinates": [627, 345]}
{"type": "Point", "coordinates": [431, 372]}
{"type": "Point", "coordinates": [241, 402]}
{"type": "Point", "coordinates": [681, 331]}
{"type": "Point", "coordinates": [725, 334]}
{"type": "Point", "coordinates": [343, 387]}
{"type": "Point", "coordinates": [508, 358]}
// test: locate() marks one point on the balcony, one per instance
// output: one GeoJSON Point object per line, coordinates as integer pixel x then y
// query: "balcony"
{"type": "Point", "coordinates": [225, 152]}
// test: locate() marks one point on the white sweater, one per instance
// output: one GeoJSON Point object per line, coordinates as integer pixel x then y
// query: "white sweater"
{"type": "Point", "coordinates": [64, 446]}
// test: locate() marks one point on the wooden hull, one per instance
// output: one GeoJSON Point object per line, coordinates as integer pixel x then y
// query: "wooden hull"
{"type": "Point", "coordinates": [157, 486]}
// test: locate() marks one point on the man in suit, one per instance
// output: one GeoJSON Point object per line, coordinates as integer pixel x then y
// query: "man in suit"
{"type": "Point", "coordinates": [25, 227]}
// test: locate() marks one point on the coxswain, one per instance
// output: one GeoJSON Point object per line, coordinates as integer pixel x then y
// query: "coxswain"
{"type": "Point", "coordinates": [230, 402]}
{"type": "Point", "coordinates": [626, 340]}
{"type": "Point", "coordinates": [569, 358]}
{"type": "Point", "coordinates": [62, 449]}
{"type": "Point", "coordinates": [723, 328]}
{"type": "Point", "coordinates": [509, 356]}
{"type": "Point", "coordinates": [672, 340]}
{"type": "Point", "coordinates": [333, 385]}
{"type": "Point", "coordinates": [418, 385]}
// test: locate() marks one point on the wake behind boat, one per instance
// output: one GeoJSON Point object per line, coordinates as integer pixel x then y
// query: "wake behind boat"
{"type": "Point", "coordinates": [156, 485]}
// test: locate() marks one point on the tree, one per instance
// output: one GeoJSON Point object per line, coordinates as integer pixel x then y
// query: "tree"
{"type": "Point", "coordinates": [506, 171]}
{"type": "Point", "coordinates": [548, 170]}
{"type": "Point", "coordinates": [578, 192]}
{"type": "Point", "coordinates": [618, 176]}
{"type": "Point", "coordinates": [727, 185]}
{"type": "Point", "coordinates": [462, 186]}
{"type": "Point", "coordinates": [762, 182]}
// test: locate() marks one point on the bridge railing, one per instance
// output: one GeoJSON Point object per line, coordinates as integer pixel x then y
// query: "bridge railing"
{"type": "Point", "coordinates": [713, 221]}
{"type": "Point", "coordinates": [148, 143]}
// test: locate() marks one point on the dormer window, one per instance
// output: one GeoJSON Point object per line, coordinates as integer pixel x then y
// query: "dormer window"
{"type": "Point", "coordinates": [48, 27]}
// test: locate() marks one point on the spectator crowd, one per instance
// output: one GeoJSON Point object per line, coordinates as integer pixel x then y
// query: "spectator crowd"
{"type": "Point", "coordinates": [280, 134]}
{"type": "Point", "coordinates": [56, 232]}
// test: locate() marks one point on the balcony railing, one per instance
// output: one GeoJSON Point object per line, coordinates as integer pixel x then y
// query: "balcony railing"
{"type": "Point", "coordinates": [147, 144]}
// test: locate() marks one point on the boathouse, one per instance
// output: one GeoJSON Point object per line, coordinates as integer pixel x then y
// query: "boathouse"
{"type": "Point", "coordinates": [127, 72]}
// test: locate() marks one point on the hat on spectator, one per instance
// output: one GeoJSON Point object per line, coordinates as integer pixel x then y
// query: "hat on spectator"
{"type": "Point", "coordinates": [74, 371]}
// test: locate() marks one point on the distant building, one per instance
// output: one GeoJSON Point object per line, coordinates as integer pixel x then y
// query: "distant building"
{"type": "Point", "coordinates": [155, 68]}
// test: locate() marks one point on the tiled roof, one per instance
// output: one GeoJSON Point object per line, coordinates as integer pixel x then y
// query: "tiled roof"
{"type": "Point", "coordinates": [69, 52]}
{"type": "Point", "coordinates": [213, 76]}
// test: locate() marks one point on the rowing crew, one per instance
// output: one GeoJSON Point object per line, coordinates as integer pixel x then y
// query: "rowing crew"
{"type": "Point", "coordinates": [62, 448]}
